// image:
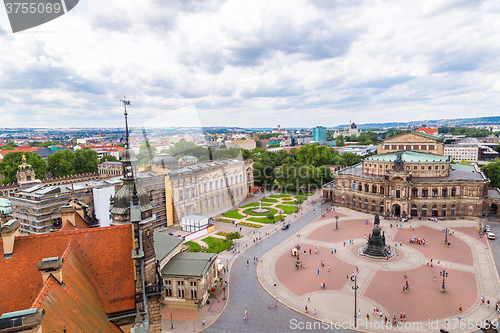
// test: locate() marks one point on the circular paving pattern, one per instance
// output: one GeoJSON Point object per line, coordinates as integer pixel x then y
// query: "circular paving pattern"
{"type": "Point", "coordinates": [467, 262]}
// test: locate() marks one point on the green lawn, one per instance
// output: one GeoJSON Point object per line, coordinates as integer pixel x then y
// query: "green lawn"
{"type": "Point", "coordinates": [249, 212]}
{"type": "Point", "coordinates": [294, 202]}
{"type": "Point", "coordinates": [216, 244]}
{"type": "Point", "coordinates": [194, 247]}
{"type": "Point", "coordinates": [287, 209]}
{"type": "Point", "coordinates": [233, 214]}
{"type": "Point", "coordinates": [300, 197]}
{"type": "Point", "coordinates": [256, 204]}
{"type": "Point", "coordinates": [260, 219]}
{"type": "Point", "coordinates": [269, 200]}
{"type": "Point", "coordinates": [279, 196]}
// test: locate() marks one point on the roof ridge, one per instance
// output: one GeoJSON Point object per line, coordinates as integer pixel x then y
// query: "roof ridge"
{"type": "Point", "coordinates": [44, 291]}
{"type": "Point", "coordinates": [66, 252]}
{"type": "Point", "coordinates": [59, 233]}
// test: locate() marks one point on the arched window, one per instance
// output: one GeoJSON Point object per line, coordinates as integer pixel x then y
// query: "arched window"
{"type": "Point", "coordinates": [205, 188]}
{"type": "Point", "coordinates": [414, 193]}
{"type": "Point", "coordinates": [210, 186]}
{"type": "Point", "coordinates": [453, 191]}
{"type": "Point", "coordinates": [374, 189]}
{"type": "Point", "coordinates": [425, 193]}
{"type": "Point", "coordinates": [374, 206]}
{"type": "Point", "coordinates": [434, 192]}
{"type": "Point", "coordinates": [414, 210]}
{"type": "Point", "coordinates": [444, 192]}
{"type": "Point", "coordinates": [206, 203]}
{"type": "Point", "coordinates": [241, 178]}
{"type": "Point", "coordinates": [212, 202]}
{"type": "Point", "coordinates": [443, 211]}
{"type": "Point", "coordinates": [424, 211]}
{"type": "Point", "coordinates": [180, 194]}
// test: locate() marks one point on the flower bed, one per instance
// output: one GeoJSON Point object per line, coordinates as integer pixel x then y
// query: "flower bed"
{"type": "Point", "coordinates": [227, 234]}
{"type": "Point", "coordinates": [225, 220]}
{"type": "Point", "coordinates": [286, 198]}
{"type": "Point", "coordinates": [253, 225]}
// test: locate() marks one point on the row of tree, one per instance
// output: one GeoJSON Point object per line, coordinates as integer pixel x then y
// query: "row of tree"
{"type": "Point", "coordinates": [60, 164]}
{"type": "Point", "coordinates": [299, 167]}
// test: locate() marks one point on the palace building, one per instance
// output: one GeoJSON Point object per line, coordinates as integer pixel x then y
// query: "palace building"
{"type": "Point", "coordinates": [410, 177]}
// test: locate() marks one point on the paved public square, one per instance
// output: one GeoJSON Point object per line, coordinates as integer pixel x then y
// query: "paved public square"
{"type": "Point", "coordinates": [467, 261]}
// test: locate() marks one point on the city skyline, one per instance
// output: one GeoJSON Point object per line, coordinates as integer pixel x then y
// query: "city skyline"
{"type": "Point", "coordinates": [236, 64]}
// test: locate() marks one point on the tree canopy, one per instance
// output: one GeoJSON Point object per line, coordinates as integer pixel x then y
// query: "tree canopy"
{"type": "Point", "coordinates": [492, 170]}
{"type": "Point", "coordinates": [11, 161]}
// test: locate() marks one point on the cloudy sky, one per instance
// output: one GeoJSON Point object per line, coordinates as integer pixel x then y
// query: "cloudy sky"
{"type": "Point", "coordinates": [253, 63]}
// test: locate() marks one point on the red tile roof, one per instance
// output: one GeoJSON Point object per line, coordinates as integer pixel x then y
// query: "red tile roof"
{"type": "Point", "coordinates": [105, 256]}
{"type": "Point", "coordinates": [79, 222]}
{"type": "Point", "coordinates": [67, 226]}
{"type": "Point", "coordinates": [427, 130]}
{"type": "Point", "coordinates": [76, 306]}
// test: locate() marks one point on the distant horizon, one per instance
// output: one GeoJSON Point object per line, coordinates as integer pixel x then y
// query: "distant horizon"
{"type": "Point", "coordinates": [412, 123]}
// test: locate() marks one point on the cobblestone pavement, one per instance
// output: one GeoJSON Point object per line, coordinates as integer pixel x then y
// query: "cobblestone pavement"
{"type": "Point", "coordinates": [245, 292]}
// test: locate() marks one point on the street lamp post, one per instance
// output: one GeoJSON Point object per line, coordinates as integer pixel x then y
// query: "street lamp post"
{"type": "Point", "coordinates": [443, 274]}
{"type": "Point", "coordinates": [171, 321]}
{"type": "Point", "coordinates": [355, 287]}
{"type": "Point", "coordinates": [336, 221]}
{"type": "Point", "coordinates": [446, 236]}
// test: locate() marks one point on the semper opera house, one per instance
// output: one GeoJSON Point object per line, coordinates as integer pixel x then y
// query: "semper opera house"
{"type": "Point", "coordinates": [409, 176]}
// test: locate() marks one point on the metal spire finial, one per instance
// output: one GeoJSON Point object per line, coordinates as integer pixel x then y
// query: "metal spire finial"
{"type": "Point", "coordinates": [125, 103]}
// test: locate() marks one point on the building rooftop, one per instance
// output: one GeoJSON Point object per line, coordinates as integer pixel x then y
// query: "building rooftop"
{"type": "Point", "coordinates": [202, 166]}
{"type": "Point", "coordinates": [164, 244]}
{"type": "Point", "coordinates": [409, 156]}
{"type": "Point", "coordinates": [104, 258]}
{"type": "Point", "coordinates": [189, 264]}
{"type": "Point", "coordinates": [457, 172]}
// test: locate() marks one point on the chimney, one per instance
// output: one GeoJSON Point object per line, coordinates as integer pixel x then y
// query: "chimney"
{"type": "Point", "coordinates": [68, 213]}
{"type": "Point", "coordinates": [51, 266]}
{"type": "Point", "coordinates": [9, 232]}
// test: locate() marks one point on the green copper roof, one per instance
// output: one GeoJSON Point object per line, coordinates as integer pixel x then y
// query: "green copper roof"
{"type": "Point", "coordinates": [189, 264]}
{"type": "Point", "coordinates": [408, 156]}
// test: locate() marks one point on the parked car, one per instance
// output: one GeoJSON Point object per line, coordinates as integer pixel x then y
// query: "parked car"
{"type": "Point", "coordinates": [487, 228]}
{"type": "Point", "coordinates": [491, 235]}
{"type": "Point", "coordinates": [286, 226]}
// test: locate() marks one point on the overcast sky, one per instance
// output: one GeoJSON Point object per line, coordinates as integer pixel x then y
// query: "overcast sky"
{"type": "Point", "coordinates": [253, 63]}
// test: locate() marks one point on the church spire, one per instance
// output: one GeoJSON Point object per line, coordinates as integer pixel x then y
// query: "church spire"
{"type": "Point", "coordinates": [128, 155]}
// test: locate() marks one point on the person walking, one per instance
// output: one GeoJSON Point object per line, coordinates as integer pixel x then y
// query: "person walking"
{"type": "Point", "coordinates": [318, 271]}
{"type": "Point", "coordinates": [406, 276]}
{"type": "Point", "coordinates": [245, 316]}
{"type": "Point", "coordinates": [306, 307]}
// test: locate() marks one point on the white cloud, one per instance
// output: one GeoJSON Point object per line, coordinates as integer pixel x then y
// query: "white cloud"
{"type": "Point", "coordinates": [254, 63]}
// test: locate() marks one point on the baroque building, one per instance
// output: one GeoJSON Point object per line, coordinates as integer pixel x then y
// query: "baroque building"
{"type": "Point", "coordinates": [408, 183]}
